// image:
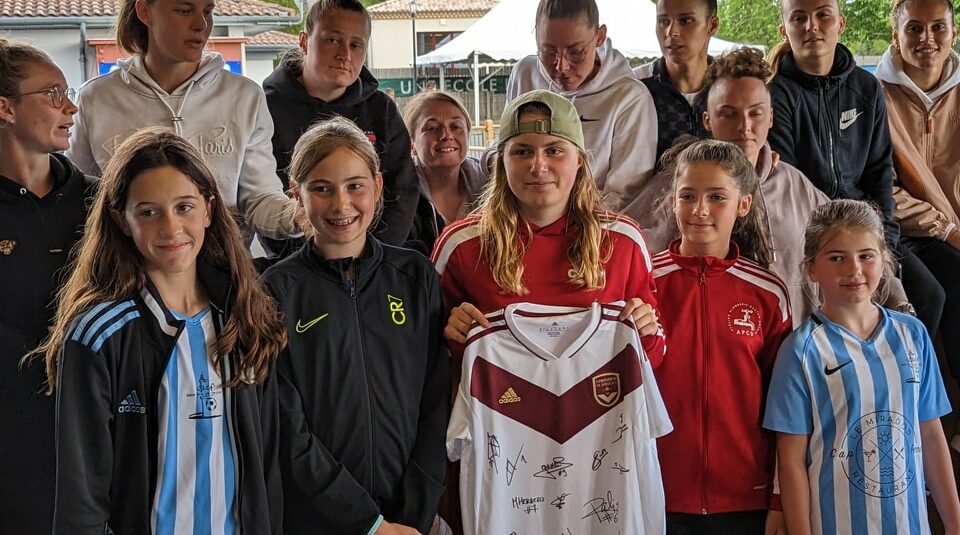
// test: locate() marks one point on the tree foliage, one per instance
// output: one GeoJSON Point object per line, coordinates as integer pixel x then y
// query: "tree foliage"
{"type": "Point", "coordinates": [757, 22]}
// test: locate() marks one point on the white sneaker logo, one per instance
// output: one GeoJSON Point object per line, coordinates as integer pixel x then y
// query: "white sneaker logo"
{"type": "Point", "coordinates": [131, 404]}
{"type": "Point", "coordinates": [848, 118]}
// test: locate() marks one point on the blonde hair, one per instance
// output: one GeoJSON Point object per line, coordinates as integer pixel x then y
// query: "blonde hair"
{"type": "Point", "coordinates": [847, 214]}
{"type": "Point", "coordinates": [500, 224]}
{"type": "Point", "coordinates": [414, 108]}
{"type": "Point", "coordinates": [108, 266]}
{"type": "Point", "coordinates": [319, 142]}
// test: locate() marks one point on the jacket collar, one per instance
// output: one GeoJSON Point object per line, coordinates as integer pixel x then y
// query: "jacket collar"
{"type": "Point", "coordinates": [560, 227]}
{"type": "Point", "coordinates": [662, 75]}
{"type": "Point", "coordinates": [338, 268]}
{"type": "Point", "coordinates": [64, 174]}
{"type": "Point", "coordinates": [843, 65]}
{"type": "Point", "coordinates": [890, 70]}
{"type": "Point", "coordinates": [708, 265]}
{"type": "Point", "coordinates": [217, 283]}
{"type": "Point", "coordinates": [764, 163]}
{"type": "Point", "coordinates": [285, 80]}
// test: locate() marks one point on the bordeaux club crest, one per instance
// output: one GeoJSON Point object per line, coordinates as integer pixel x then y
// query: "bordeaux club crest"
{"type": "Point", "coordinates": [606, 389]}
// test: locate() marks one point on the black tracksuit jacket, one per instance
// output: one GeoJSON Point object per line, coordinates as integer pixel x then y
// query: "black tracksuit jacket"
{"type": "Point", "coordinates": [107, 458]}
{"type": "Point", "coordinates": [364, 390]}
{"type": "Point", "coordinates": [36, 235]}
{"type": "Point", "coordinates": [834, 129]}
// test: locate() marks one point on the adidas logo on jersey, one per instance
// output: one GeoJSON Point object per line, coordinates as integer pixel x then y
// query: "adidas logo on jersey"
{"type": "Point", "coordinates": [131, 404]}
{"type": "Point", "coordinates": [509, 396]}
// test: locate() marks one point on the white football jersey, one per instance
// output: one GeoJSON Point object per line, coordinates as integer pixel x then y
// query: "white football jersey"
{"type": "Point", "coordinates": [555, 425]}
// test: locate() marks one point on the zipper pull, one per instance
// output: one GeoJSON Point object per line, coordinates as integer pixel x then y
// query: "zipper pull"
{"type": "Point", "coordinates": [703, 272]}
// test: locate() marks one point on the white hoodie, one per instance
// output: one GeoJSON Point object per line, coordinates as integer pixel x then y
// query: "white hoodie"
{"type": "Point", "coordinates": [223, 115]}
{"type": "Point", "coordinates": [618, 117]}
{"type": "Point", "coordinates": [890, 70]}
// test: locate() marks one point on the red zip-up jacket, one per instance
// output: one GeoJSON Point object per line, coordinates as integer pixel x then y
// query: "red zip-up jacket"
{"type": "Point", "coordinates": [724, 319]}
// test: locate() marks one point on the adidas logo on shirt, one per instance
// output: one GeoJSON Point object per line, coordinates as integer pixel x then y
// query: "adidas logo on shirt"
{"type": "Point", "coordinates": [131, 404]}
{"type": "Point", "coordinates": [509, 396]}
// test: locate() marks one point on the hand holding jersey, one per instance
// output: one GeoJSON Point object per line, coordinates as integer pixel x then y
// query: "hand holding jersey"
{"type": "Point", "coordinates": [556, 422]}
{"type": "Point", "coordinates": [464, 316]}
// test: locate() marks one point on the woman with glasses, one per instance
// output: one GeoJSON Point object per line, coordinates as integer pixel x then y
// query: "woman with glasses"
{"type": "Point", "coordinates": [42, 210]}
{"type": "Point", "coordinates": [578, 61]}
{"type": "Point", "coordinates": [170, 81]}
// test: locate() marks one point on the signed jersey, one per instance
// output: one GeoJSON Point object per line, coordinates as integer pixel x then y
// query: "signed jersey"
{"type": "Point", "coordinates": [862, 403]}
{"type": "Point", "coordinates": [555, 425]}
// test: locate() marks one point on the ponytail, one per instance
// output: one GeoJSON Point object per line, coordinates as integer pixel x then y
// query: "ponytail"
{"type": "Point", "coordinates": [776, 55]}
{"type": "Point", "coordinates": [132, 33]}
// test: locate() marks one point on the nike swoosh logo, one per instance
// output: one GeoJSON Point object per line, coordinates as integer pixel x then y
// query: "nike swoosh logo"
{"type": "Point", "coordinates": [582, 120]}
{"type": "Point", "coordinates": [846, 124]}
{"type": "Point", "coordinates": [830, 371]}
{"type": "Point", "coordinates": [302, 328]}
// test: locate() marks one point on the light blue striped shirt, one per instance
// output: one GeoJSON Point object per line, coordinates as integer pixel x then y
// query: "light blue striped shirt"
{"type": "Point", "coordinates": [861, 402]}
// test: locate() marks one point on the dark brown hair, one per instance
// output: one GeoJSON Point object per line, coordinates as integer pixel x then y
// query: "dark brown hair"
{"type": "Point", "coordinates": [743, 62]}
{"type": "Point", "coordinates": [109, 267]}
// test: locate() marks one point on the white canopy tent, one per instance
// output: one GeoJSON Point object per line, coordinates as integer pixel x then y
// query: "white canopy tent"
{"type": "Point", "coordinates": [506, 33]}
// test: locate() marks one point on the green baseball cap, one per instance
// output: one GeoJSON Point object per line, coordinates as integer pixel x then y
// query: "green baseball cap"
{"type": "Point", "coordinates": [563, 122]}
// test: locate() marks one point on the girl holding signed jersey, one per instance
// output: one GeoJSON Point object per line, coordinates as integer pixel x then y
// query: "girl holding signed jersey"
{"type": "Point", "coordinates": [716, 293]}
{"type": "Point", "coordinates": [161, 359]}
{"type": "Point", "coordinates": [856, 396]}
{"type": "Point", "coordinates": [364, 390]}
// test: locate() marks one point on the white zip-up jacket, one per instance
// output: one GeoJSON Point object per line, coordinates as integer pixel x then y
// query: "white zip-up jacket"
{"type": "Point", "coordinates": [222, 114]}
{"type": "Point", "coordinates": [618, 116]}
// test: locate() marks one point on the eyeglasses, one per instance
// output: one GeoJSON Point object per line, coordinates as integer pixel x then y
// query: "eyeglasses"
{"type": "Point", "coordinates": [56, 94]}
{"type": "Point", "coordinates": [574, 56]}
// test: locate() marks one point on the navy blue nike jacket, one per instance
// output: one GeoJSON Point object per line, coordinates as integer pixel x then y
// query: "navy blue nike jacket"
{"type": "Point", "coordinates": [834, 129]}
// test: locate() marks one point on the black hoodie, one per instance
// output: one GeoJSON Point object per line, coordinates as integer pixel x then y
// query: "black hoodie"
{"type": "Point", "coordinates": [294, 111]}
{"type": "Point", "coordinates": [36, 234]}
{"type": "Point", "coordinates": [834, 129]}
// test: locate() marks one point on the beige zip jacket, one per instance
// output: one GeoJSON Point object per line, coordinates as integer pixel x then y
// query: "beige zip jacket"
{"type": "Point", "coordinates": [925, 129]}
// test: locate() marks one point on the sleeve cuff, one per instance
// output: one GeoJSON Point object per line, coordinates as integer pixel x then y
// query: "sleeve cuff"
{"type": "Point", "coordinates": [376, 525]}
{"type": "Point", "coordinates": [774, 503]}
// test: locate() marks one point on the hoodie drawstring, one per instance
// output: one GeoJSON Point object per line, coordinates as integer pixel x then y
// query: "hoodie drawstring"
{"type": "Point", "coordinates": [176, 117]}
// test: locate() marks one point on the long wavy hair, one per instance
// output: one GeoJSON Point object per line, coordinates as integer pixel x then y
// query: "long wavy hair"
{"type": "Point", "coordinates": [108, 266]}
{"type": "Point", "coordinates": [750, 232]}
{"type": "Point", "coordinates": [501, 222]}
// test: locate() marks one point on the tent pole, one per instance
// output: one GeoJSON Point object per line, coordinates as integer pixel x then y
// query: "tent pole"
{"type": "Point", "coordinates": [476, 87]}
